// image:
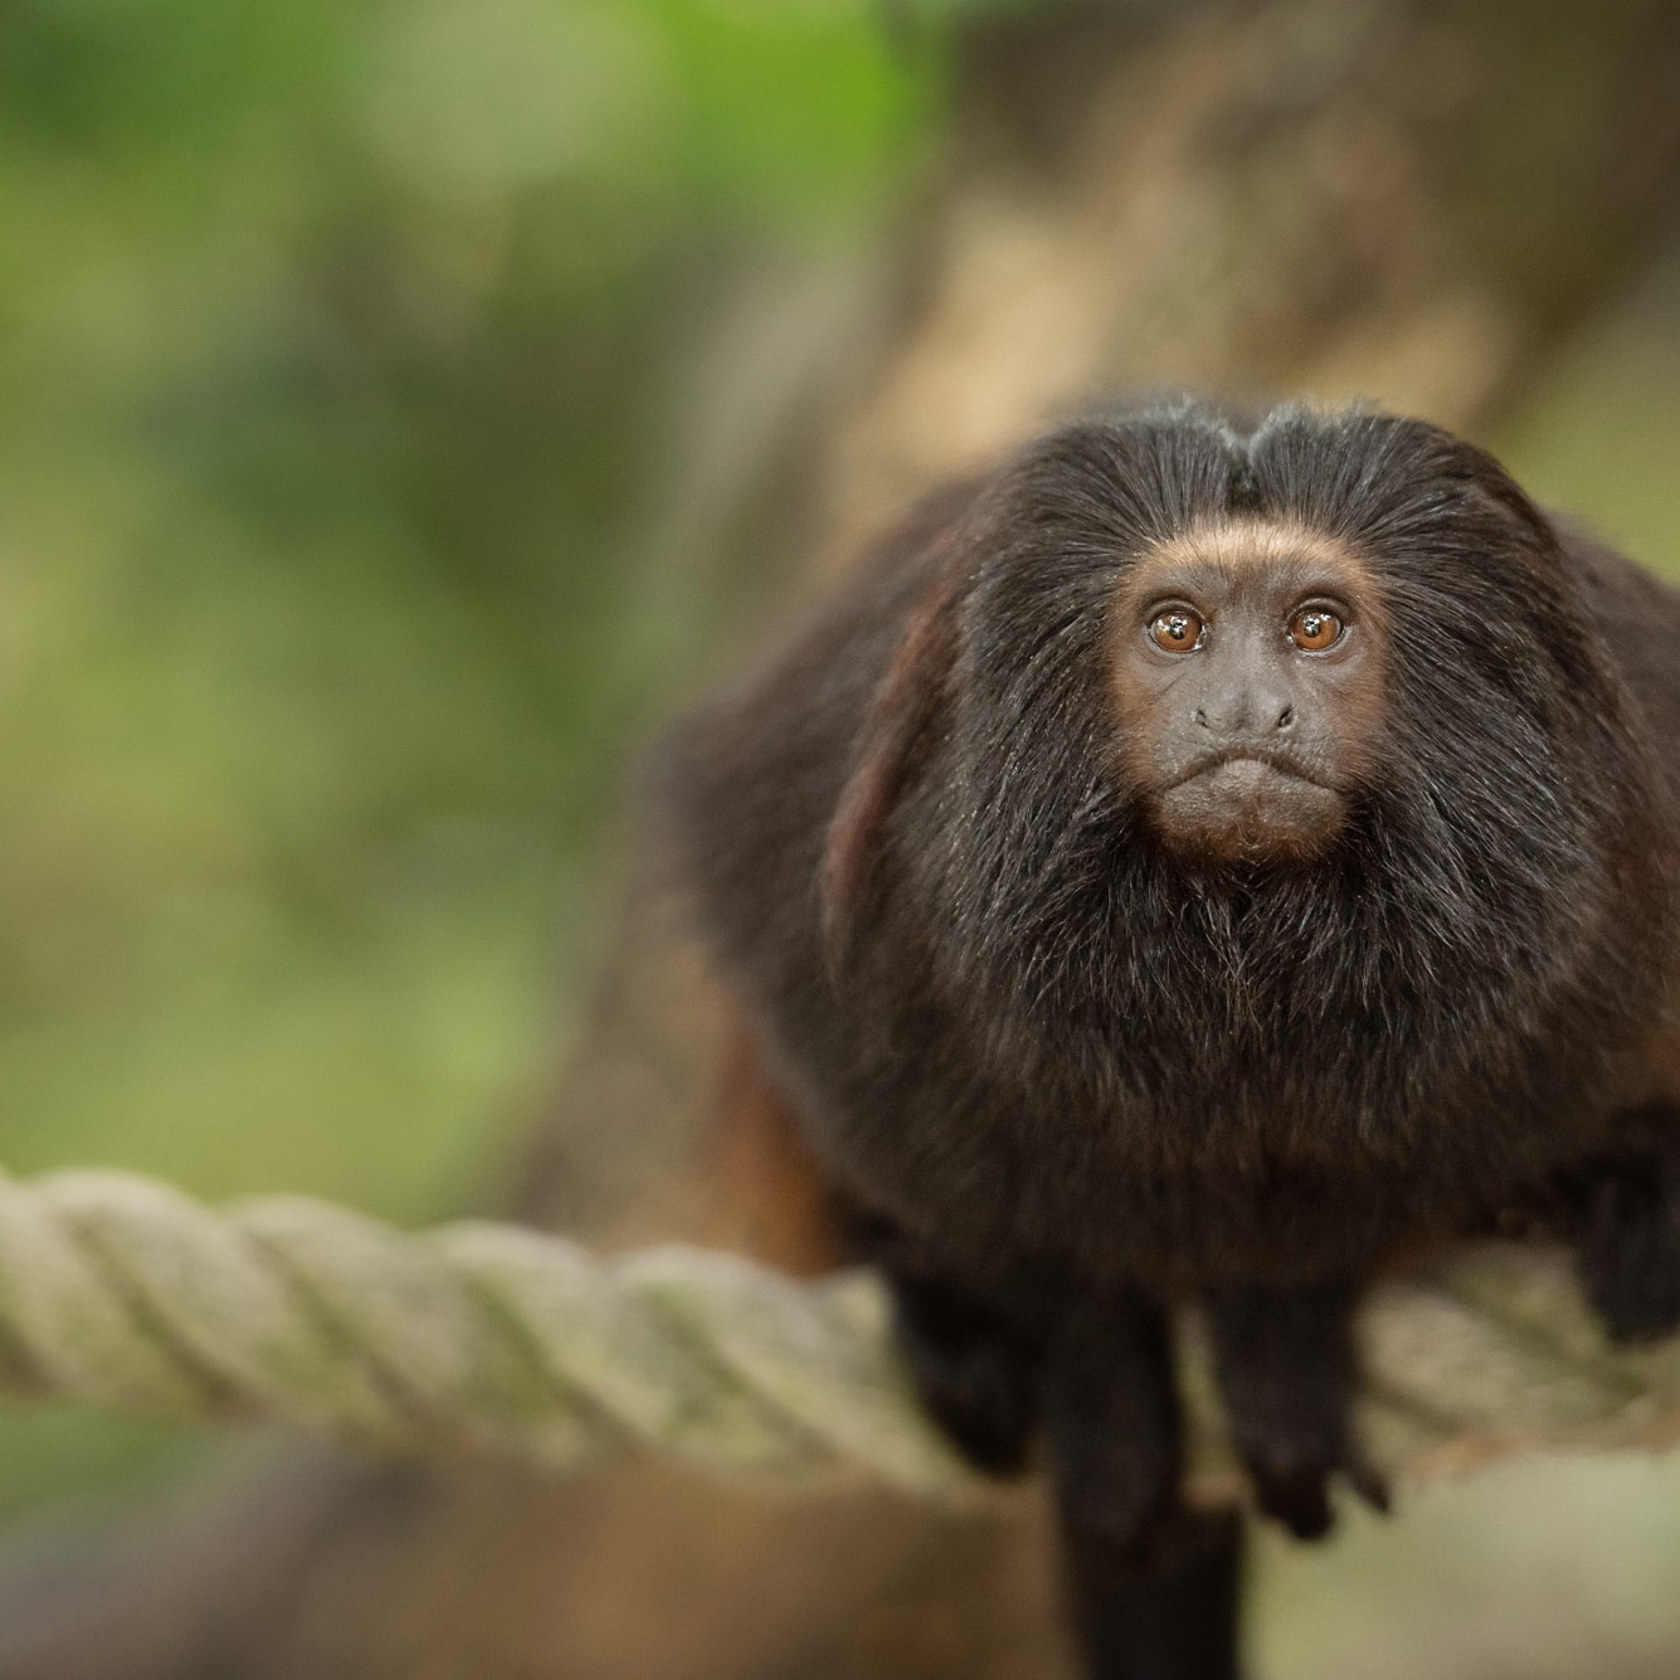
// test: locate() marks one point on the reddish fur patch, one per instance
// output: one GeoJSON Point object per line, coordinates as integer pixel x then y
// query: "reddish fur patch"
{"type": "Point", "coordinates": [903, 706]}
{"type": "Point", "coordinates": [1244, 540]}
{"type": "Point", "coordinates": [765, 1193]}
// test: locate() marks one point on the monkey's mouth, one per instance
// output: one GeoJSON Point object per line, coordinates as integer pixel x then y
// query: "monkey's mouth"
{"type": "Point", "coordinates": [1245, 767]}
{"type": "Point", "coordinates": [1251, 807]}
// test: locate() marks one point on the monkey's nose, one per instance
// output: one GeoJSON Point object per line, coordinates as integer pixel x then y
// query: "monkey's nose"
{"type": "Point", "coordinates": [1244, 716]}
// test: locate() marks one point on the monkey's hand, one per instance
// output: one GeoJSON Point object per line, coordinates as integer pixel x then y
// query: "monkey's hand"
{"type": "Point", "coordinates": [976, 1376]}
{"type": "Point", "coordinates": [1629, 1256]}
{"type": "Point", "coordinates": [1284, 1359]}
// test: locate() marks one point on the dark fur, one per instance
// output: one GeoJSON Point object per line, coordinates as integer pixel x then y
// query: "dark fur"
{"type": "Point", "coordinates": [1064, 1078]}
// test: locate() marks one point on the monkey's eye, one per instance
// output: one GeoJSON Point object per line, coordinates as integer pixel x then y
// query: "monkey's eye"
{"type": "Point", "coordinates": [1177, 630]}
{"type": "Point", "coordinates": [1314, 629]}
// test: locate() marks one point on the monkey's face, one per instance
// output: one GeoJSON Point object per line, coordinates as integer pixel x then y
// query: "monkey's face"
{"type": "Point", "coordinates": [1248, 666]}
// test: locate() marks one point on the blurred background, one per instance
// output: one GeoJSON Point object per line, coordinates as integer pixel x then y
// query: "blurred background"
{"type": "Point", "coordinates": [407, 404]}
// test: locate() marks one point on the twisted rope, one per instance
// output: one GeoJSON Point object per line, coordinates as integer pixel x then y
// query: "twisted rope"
{"type": "Point", "coordinates": [128, 1294]}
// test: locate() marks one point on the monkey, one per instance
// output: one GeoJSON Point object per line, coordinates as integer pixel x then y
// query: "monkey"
{"type": "Point", "coordinates": [1200, 860]}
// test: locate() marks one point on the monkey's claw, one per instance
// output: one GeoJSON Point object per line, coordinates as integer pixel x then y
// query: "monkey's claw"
{"type": "Point", "coordinates": [1299, 1498]}
{"type": "Point", "coordinates": [1296, 1491]}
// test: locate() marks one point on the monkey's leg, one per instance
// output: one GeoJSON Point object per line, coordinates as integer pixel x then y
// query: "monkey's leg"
{"type": "Point", "coordinates": [1629, 1254]}
{"type": "Point", "coordinates": [1155, 1587]}
{"type": "Point", "coordinates": [1285, 1362]}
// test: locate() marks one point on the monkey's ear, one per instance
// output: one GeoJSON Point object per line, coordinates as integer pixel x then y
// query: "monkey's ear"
{"type": "Point", "coordinates": [902, 711]}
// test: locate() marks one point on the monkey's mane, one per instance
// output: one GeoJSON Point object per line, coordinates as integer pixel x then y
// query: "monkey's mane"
{"type": "Point", "coordinates": [1448, 982]}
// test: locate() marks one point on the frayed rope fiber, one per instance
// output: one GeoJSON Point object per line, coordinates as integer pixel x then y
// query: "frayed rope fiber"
{"type": "Point", "coordinates": [125, 1293]}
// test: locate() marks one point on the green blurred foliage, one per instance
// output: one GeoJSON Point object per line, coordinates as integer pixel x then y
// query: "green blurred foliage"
{"type": "Point", "coordinates": [331, 338]}
{"type": "Point", "coordinates": [334, 344]}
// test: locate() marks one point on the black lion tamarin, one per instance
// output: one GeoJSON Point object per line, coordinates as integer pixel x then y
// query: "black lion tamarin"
{"type": "Point", "coordinates": [1194, 863]}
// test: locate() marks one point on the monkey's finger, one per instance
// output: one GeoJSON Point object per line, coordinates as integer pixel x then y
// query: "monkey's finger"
{"type": "Point", "coordinates": [1367, 1481]}
{"type": "Point", "coordinates": [1299, 1498]}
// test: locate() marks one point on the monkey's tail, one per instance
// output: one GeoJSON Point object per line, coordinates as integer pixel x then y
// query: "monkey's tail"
{"type": "Point", "coordinates": [1171, 1613]}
